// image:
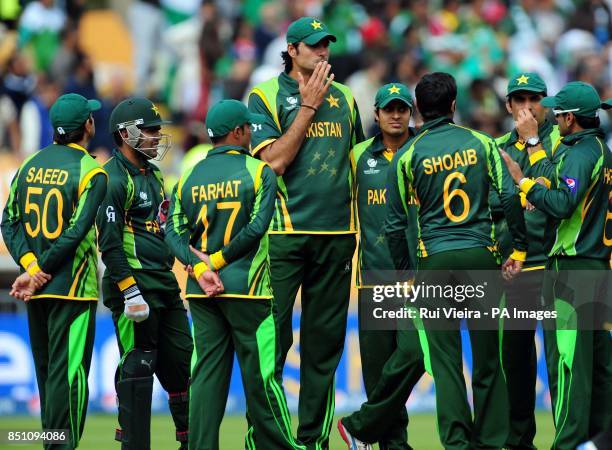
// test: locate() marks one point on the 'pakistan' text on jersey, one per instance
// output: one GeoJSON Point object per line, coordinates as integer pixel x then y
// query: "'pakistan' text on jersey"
{"type": "Point", "coordinates": [580, 197]}
{"type": "Point", "coordinates": [223, 207]}
{"type": "Point", "coordinates": [314, 193]}
{"type": "Point", "coordinates": [536, 221]}
{"type": "Point", "coordinates": [49, 216]}
{"type": "Point", "coordinates": [129, 231]}
{"type": "Point", "coordinates": [449, 170]}
{"type": "Point", "coordinates": [370, 161]}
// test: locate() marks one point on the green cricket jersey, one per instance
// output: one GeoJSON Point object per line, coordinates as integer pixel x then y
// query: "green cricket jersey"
{"type": "Point", "coordinates": [536, 220]}
{"type": "Point", "coordinates": [223, 207]}
{"type": "Point", "coordinates": [130, 234]}
{"type": "Point", "coordinates": [581, 198]}
{"type": "Point", "coordinates": [49, 217]}
{"type": "Point", "coordinates": [314, 193]}
{"type": "Point", "coordinates": [370, 162]}
{"type": "Point", "coordinates": [449, 169]}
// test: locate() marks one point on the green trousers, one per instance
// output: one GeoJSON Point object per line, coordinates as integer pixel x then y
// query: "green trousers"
{"type": "Point", "coordinates": [165, 333]}
{"type": "Point", "coordinates": [392, 363]}
{"type": "Point", "coordinates": [583, 356]}
{"type": "Point", "coordinates": [321, 266]}
{"type": "Point", "coordinates": [443, 360]}
{"type": "Point", "coordinates": [519, 359]}
{"type": "Point", "coordinates": [247, 327]}
{"type": "Point", "coordinates": [61, 338]}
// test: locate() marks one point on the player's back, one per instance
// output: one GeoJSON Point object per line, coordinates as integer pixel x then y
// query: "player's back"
{"type": "Point", "coordinates": [50, 183]}
{"type": "Point", "coordinates": [220, 197]}
{"type": "Point", "coordinates": [448, 169]}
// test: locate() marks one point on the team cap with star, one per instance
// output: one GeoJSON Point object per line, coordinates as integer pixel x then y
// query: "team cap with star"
{"type": "Point", "coordinates": [226, 115]}
{"type": "Point", "coordinates": [70, 111]}
{"type": "Point", "coordinates": [138, 111]}
{"type": "Point", "coordinates": [309, 31]}
{"type": "Point", "coordinates": [577, 97]}
{"type": "Point", "coordinates": [526, 81]}
{"type": "Point", "coordinates": [393, 91]}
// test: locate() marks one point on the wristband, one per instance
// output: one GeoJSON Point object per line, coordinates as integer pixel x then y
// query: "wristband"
{"type": "Point", "coordinates": [309, 107]}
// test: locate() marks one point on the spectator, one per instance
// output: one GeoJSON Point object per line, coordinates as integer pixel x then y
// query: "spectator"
{"type": "Point", "coordinates": [36, 129]}
{"type": "Point", "coordinates": [40, 25]}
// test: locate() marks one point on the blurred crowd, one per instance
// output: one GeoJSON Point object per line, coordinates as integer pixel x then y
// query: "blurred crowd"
{"type": "Point", "coordinates": [187, 54]}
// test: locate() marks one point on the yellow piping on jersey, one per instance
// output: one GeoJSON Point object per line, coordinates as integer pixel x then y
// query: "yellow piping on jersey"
{"type": "Point", "coordinates": [89, 176]}
{"type": "Point", "coordinates": [286, 218]}
{"type": "Point", "coordinates": [261, 95]}
{"type": "Point", "coordinates": [256, 279]}
{"type": "Point", "coordinates": [76, 279]}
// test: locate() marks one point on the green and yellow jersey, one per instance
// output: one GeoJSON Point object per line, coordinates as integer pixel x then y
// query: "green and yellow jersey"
{"type": "Point", "coordinates": [370, 163]}
{"type": "Point", "coordinates": [314, 193]}
{"type": "Point", "coordinates": [49, 218]}
{"type": "Point", "coordinates": [449, 169]}
{"type": "Point", "coordinates": [130, 234]}
{"type": "Point", "coordinates": [580, 197]}
{"type": "Point", "coordinates": [536, 221]}
{"type": "Point", "coordinates": [223, 207]}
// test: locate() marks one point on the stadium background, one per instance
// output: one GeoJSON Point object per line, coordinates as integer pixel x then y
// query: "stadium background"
{"type": "Point", "coordinates": [187, 54]}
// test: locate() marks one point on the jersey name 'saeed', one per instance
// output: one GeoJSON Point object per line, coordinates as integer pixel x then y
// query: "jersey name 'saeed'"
{"type": "Point", "coordinates": [450, 161]}
{"type": "Point", "coordinates": [47, 175]}
{"type": "Point", "coordinates": [212, 191]}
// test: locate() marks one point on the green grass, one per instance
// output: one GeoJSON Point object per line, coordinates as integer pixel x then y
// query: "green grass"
{"type": "Point", "coordinates": [99, 432]}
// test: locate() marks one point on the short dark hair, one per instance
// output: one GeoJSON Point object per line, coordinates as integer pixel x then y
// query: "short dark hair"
{"type": "Point", "coordinates": [70, 136]}
{"type": "Point", "coordinates": [435, 93]}
{"type": "Point", "coordinates": [587, 122]}
{"type": "Point", "coordinates": [217, 139]}
{"type": "Point", "coordinates": [117, 138]}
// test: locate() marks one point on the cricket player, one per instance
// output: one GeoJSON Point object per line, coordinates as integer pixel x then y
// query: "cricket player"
{"type": "Point", "coordinates": [371, 162]}
{"type": "Point", "coordinates": [47, 226]}
{"type": "Point", "coordinates": [579, 197]}
{"type": "Point", "coordinates": [311, 123]}
{"type": "Point", "coordinates": [450, 169]}
{"type": "Point", "coordinates": [519, 360]}
{"type": "Point", "coordinates": [139, 286]}
{"type": "Point", "coordinates": [222, 207]}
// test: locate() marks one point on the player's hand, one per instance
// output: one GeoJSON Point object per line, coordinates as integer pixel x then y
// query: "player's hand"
{"type": "Point", "coordinates": [40, 278]}
{"type": "Point", "coordinates": [526, 124]}
{"type": "Point", "coordinates": [211, 283]}
{"type": "Point", "coordinates": [200, 254]}
{"type": "Point", "coordinates": [23, 287]}
{"type": "Point", "coordinates": [188, 269]}
{"type": "Point", "coordinates": [314, 91]}
{"type": "Point", "coordinates": [135, 306]}
{"type": "Point", "coordinates": [529, 206]}
{"type": "Point", "coordinates": [511, 268]}
{"type": "Point", "coordinates": [515, 170]}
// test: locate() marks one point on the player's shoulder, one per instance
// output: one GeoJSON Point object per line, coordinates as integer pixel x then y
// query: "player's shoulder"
{"type": "Point", "coordinates": [361, 148]}
{"type": "Point", "coordinates": [484, 138]}
{"type": "Point", "coordinates": [501, 140]}
{"type": "Point", "coordinates": [265, 88]}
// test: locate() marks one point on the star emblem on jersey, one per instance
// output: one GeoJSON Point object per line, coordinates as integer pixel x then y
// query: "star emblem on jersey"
{"type": "Point", "coordinates": [522, 79]}
{"type": "Point", "coordinates": [333, 101]}
{"type": "Point", "coordinates": [380, 239]}
{"type": "Point", "coordinates": [311, 171]}
{"type": "Point", "coordinates": [155, 109]}
{"type": "Point", "coordinates": [394, 90]}
{"type": "Point", "coordinates": [315, 25]}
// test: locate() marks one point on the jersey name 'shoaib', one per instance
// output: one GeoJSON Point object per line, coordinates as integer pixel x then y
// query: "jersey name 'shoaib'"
{"type": "Point", "coordinates": [449, 170]}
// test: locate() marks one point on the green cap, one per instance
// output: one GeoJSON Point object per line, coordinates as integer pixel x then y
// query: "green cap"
{"type": "Point", "coordinates": [526, 81]}
{"type": "Point", "coordinates": [308, 30]}
{"type": "Point", "coordinates": [577, 97]}
{"type": "Point", "coordinates": [393, 91]}
{"type": "Point", "coordinates": [138, 111]}
{"type": "Point", "coordinates": [226, 115]}
{"type": "Point", "coordinates": [70, 111]}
